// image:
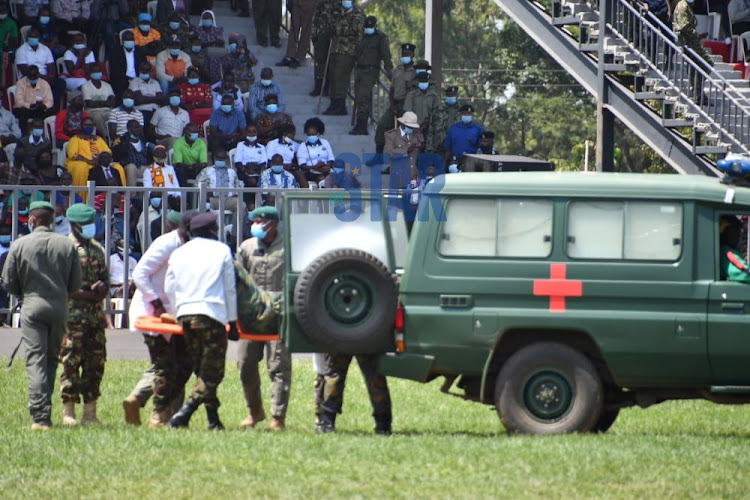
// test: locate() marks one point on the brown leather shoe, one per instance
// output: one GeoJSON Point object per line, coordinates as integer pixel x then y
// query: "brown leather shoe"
{"type": "Point", "coordinates": [159, 419]}
{"type": "Point", "coordinates": [253, 418]}
{"type": "Point", "coordinates": [132, 408]}
{"type": "Point", "coordinates": [276, 424]}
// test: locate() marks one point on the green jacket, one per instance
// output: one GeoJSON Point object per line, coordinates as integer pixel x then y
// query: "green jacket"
{"type": "Point", "coordinates": [372, 50]}
{"type": "Point", "coordinates": [348, 32]}
{"type": "Point", "coordinates": [324, 18]}
{"type": "Point", "coordinates": [401, 82]}
{"type": "Point", "coordinates": [424, 104]}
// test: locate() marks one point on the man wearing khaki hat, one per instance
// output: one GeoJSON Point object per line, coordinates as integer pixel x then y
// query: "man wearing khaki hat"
{"type": "Point", "coordinates": [42, 269]}
{"type": "Point", "coordinates": [403, 143]}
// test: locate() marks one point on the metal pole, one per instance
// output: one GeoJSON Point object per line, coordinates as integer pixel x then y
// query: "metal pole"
{"type": "Point", "coordinates": [436, 46]}
{"type": "Point", "coordinates": [605, 121]}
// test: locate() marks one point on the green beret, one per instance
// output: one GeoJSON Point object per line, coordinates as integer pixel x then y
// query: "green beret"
{"type": "Point", "coordinates": [80, 213]}
{"type": "Point", "coordinates": [35, 205]}
{"type": "Point", "coordinates": [173, 216]}
{"type": "Point", "coordinates": [265, 213]}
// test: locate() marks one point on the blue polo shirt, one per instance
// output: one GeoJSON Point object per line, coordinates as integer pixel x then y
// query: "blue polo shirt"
{"type": "Point", "coordinates": [228, 124]}
{"type": "Point", "coordinates": [462, 138]}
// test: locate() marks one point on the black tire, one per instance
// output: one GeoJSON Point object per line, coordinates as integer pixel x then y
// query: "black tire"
{"type": "Point", "coordinates": [346, 301]}
{"type": "Point", "coordinates": [606, 420]}
{"type": "Point", "coordinates": [548, 388]}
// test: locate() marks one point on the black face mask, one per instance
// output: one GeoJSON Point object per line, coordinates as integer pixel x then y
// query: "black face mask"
{"type": "Point", "coordinates": [44, 163]}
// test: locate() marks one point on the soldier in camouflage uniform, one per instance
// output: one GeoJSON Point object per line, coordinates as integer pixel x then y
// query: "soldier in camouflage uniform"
{"type": "Point", "coordinates": [373, 49]}
{"type": "Point", "coordinates": [324, 19]}
{"type": "Point", "coordinates": [175, 27]}
{"type": "Point", "coordinates": [441, 120]}
{"type": "Point", "coordinates": [403, 75]}
{"type": "Point", "coordinates": [424, 101]}
{"type": "Point", "coordinates": [683, 24]}
{"type": "Point", "coordinates": [337, 366]}
{"type": "Point", "coordinates": [84, 349]}
{"type": "Point", "coordinates": [205, 300]}
{"type": "Point", "coordinates": [349, 29]}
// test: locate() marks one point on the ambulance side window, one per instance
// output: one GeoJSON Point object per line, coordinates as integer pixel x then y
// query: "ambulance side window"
{"type": "Point", "coordinates": [504, 227]}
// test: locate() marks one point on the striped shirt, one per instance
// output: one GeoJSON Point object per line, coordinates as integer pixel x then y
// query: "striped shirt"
{"type": "Point", "coordinates": [121, 117]}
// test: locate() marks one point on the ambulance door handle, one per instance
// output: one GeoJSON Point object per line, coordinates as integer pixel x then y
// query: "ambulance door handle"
{"type": "Point", "coordinates": [735, 307]}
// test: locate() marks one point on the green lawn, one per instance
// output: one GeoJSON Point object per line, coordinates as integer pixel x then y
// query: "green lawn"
{"type": "Point", "coordinates": [443, 447]}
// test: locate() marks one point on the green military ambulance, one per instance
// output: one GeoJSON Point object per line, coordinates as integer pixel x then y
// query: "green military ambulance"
{"type": "Point", "coordinates": [560, 298]}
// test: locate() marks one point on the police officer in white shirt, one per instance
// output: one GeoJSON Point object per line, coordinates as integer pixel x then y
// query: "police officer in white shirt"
{"type": "Point", "coordinates": [315, 156]}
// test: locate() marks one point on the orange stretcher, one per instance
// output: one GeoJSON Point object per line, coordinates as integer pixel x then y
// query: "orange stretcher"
{"type": "Point", "coordinates": [155, 324]}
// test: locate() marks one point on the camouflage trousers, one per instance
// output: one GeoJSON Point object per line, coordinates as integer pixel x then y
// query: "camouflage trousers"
{"type": "Point", "coordinates": [206, 341]}
{"type": "Point", "coordinates": [83, 353]}
{"type": "Point", "coordinates": [337, 366]}
{"type": "Point", "coordinates": [172, 368]}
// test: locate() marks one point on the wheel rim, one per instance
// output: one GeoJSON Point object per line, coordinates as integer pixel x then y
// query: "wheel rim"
{"type": "Point", "coordinates": [347, 298]}
{"type": "Point", "coordinates": [547, 395]}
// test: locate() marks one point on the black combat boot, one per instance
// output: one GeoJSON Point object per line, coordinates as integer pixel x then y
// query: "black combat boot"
{"type": "Point", "coordinates": [331, 110]}
{"type": "Point", "coordinates": [316, 91]}
{"type": "Point", "coordinates": [326, 423]}
{"type": "Point", "coordinates": [182, 417]}
{"type": "Point", "coordinates": [214, 424]}
{"type": "Point", "coordinates": [360, 128]}
{"type": "Point", "coordinates": [340, 109]}
{"type": "Point", "coordinates": [383, 425]}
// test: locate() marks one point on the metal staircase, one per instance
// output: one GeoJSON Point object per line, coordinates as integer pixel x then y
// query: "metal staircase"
{"type": "Point", "coordinates": [689, 113]}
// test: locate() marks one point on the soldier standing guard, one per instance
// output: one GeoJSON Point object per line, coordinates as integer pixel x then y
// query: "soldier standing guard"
{"type": "Point", "coordinates": [440, 121]}
{"type": "Point", "coordinates": [84, 348]}
{"type": "Point", "coordinates": [326, 13]}
{"type": "Point", "coordinates": [373, 49]}
{"type": "Point", "coordinates": [683, 25]}
{"type": "Point", "coordinates": [424, 101]}
{"type": "Point", "coordinates": [348, 32]}
{"type": "Point", "coordinates": [403, 75]}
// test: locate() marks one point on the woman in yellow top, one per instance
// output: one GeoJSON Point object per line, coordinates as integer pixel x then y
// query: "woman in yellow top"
{"type": "Point", "coordinates": [83, 151]}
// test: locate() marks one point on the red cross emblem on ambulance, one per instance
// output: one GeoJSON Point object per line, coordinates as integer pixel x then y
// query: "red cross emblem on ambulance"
{"type": "Point", "coordinates": [558, 288]}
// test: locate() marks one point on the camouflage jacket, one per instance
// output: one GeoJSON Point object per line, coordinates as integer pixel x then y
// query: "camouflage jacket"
{"type": "Point", "coordinates": [349, 30]}
{"type": "Point", "coordinates": [183, 32]}
{"type": "Point", "coordinates": [683, 18]}
{"type": "Point", "coordinates": [93, 269]}
{"type": "Point", "coordinates": [402, 81]}
{"type": "Point", "coordinates": [424, 104]}
{"type": "Point", "coordinates": [324, 17]}
{"type": "Point", "coordinates": [440, 121]}
{"type": "Point", "coordinates": [374, 49]}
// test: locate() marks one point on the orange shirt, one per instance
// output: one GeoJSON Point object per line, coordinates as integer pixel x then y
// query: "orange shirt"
{"type": "Point", "coordinates": [175, 67]}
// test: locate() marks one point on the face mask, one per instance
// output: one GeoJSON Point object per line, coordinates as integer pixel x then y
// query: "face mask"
{"type": "Point", "coordinates": [145, 77]}
{"type": "Point", "coordinates": [88, 231]}
{"type": "Point", "coordinates": [466, 118]}
{"type": "Point", "coordinates": [420, 71]}
{"type": "Point", "coordinates": [79, 46]}
{"type": "Point", "coordinates": [134, 137]}
{"type": "Point", "coordinates": [453, 168]}
{"type": "Point", "coordinates": [407, 130]}
{"type": "Point", "coordinates": [174, 25]}
{"type": "Point", "coordinates": [277, 169]}
{"type": "Point", "coordinates": [347, 4]}
{"type": "Point", "coordinates": [144, 27]}
{"type": "Point", "coordinates": [96, 76]}
{"type": "Point", "coordinates": [23, 212]}
{"type": "Point", "coordinates": [174, 100]}
{"type": "Point", "coordinates": [207, 23]}
{"type": "Point", "coordinates": [193, 136]}
{"type": "Point", "coordinates": [423, 85]}
{"type": "Point", "coordinates": [196, 48]}
{"type": "Point", "coordinates": [128, 44]}
{"type": "Point", "coordinates": [451, 100]}
{"type": "Point", "coordinates": [272, 108]}
{"type": "Point", "coordinates": [33, 42]}
{"type": "Point", "coordinates": [266, 83]}
{"type": "Point", "coordinates": [312, 139]}
{"type": "Point", "coordinates": [37, 132]}
{"type": "Point", "coordinates": [405, 60]}
{"type": "Point", "coordinates": [220, 163]}
{"type": "Point", "coordinates": [338, 170]}
{"type": "Point", "coordinates": [156, 202]}
{"type": "Point", "coordinates": [232, 48]}
{"type": "Point", "coordinates": [88, 130]}
{"type": "Point", "coordinates": [174, 52]}
{"type": "Point", "coordinates": [226, 108]}
{"type": "Point", "coordinates": [159, 161]}
{"type": "Point", "coordinates": [44, 19]}
{"type": "Point", "coordinates": [193, 81]}
{"type": "Point", "coordinates": [59, 219]}
{"type": "Point", "coordinates": [33, 82]}
{"type": "Point", "coordinates": [369, 31]}
{"type": "Point", "coordinates": [252, 138]}
{"type": "Point", "coordinates": [5, 240]}
{"type": "Point", "coordinates": [258, 231]}
{"type": "Point", "coordinates": [128, 102]}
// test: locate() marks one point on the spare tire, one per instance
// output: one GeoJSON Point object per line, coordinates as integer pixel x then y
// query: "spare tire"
{"type": "Point", "coordinates": [346, 301]}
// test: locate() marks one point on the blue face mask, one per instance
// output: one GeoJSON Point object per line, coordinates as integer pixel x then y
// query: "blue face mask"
{"type": "Point", "coordinates": [405, 60]}
{"type": "Point", "coordinates": [423, 85]}
{"type": "Point", "coordinates": [408, 130]}
{"type": "Point", "coordinates": [196, 48]}
{"type": "Point", "coordinates": [451, 100]}
{"type": "Point", "coordinates": [207, 23]}
{"type": "Point", "coordinates": [193, 136]}
{"type": "Point", "coordinates": [272, 108]}
{"type": "Point", "coordinates": [37, 132]}
{"type": "Point", "coordinates": [419, 71]}
{"type": "Point", "coordinates": [277, 169]}
{"type": "Point", "coordinates": [174, 100]}
{"type": "Point", "coordinates": [312, 139]}
{"type": "Point", "coordinates": [347, 4]}
{"type": "Point", "coordinates": [258, 231]}
{"type": "Point", "coordinates": [369, 31]}
{"type": "Point", "coordinates": [128, 44]}
{"type": "Point", "coordinates": [220, 163]}
{"type": "Point", "coordinates": [23, 212]}
{"type": "Point", "coordinates": [266, 83]}
{"type": "Point", "coordinates": [128, 102]}
{"type": "Point", "coordinates": [145, 27]}
{"type": "Point", "coordinates": [96, 76]}
{"type": "Point", "coordinates": [226, 108]}
{"type": "Point", "coordinates": [5, 239]}
{"type": "Point", "coordinates": [33, 42]}
{"type": "Point", "coordinates": [88, 130]}
{"type": "Point", "coordinates": [134, 137]}
{"type": "Point", "coordinates": [232, 48]}
{"type": "Point", "coordinates": [33, 82]}
{"type": "Point", "coordinates": [174, 52]}
{"type": "Point", "coordinates": [174, 25]}
{"type": "Point", "coordinates": [194, 81]}
{"type": "Point", "coordinates": [44, 20]}
{"type": "Point", "coordinates": [59, 219]}
{"type": "Point", "coordinates": [466, 118]}
{"type": "Point", "coordinates": [145, 77]}
{"type": "Point", "coordinates": [156, 202]}
{"type": "Point", "coordinates": [453, 168]}
{"type": "Point", "coordinates": [79, 46]}
{"type": "Point", "coordinates": [88, 231]}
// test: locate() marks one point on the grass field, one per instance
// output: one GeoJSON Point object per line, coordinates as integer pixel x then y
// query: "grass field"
{"type": "Point", "coordinates": [443, 447]}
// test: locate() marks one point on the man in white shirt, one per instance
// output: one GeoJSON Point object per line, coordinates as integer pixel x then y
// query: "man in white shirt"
{"type": "Point", "coordinates": [35, 53]}
{"type": "Point", "coordinates": [168, 123]}
{"type": "Point", "coordinates": [99, 99]}
{"type": "Point", "coordinates": [200, 284]}
{"type": "Point", "coordinates": [146, 91]}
